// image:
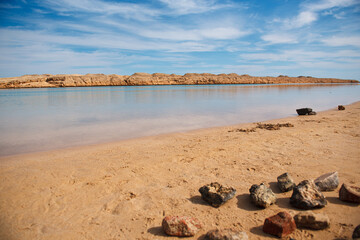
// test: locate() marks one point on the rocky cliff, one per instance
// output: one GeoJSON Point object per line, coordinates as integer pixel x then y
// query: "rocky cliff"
{"type": "Point", "coordinates": [140, 79]}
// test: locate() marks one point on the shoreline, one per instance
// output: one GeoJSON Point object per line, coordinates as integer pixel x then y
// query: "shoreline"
{"type": "Point", "coordinates": [134, 139]}
{"type": "Point", "coordinates": [123, 189]}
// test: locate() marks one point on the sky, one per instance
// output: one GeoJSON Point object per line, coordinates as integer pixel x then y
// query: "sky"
{"type": "Point", "coordinates": [319, 38]}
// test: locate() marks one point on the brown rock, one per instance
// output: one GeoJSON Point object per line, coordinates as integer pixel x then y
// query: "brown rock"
{"type": "Point", "coordinates": [341, 107]}
{"type": "Point", "coordinates": [311, 220]}
{"type": "Point", "coordinates": [216, 194]}
{"type": "Point", "coordinates": [225, 234]}
{"type": "Point", "coordinates": [349, 193]}
{"type": "Point", "coordinates": [180, 226]}
{"type": "Point", "coordinates": [281, 224]}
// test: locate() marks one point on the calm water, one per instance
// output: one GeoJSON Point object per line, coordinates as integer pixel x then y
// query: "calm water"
{"type": "Point", "coordinates": [42, 119]}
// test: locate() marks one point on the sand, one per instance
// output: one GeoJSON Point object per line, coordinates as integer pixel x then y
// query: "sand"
{"type": "Point", "coordinates": [123, 190]}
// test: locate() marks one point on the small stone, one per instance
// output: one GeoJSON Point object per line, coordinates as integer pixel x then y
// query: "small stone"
{"type": "Point", "coordinates": [216, 194]}
{"type": "Point", "coordinates": [306, 195]}
{"type": "Point", "coordinates": [285, 182]}
{"type": "Point", "coordinates": [356, 233]}
{"type": "Point", "coordinates": [328, 181]}
{"type": "Point", "coordinates": [225, 234]}
{"type": "Point", "coordinates": [261, 195]}
{"type": "Point", "coordinates": [312, 113]}
{"type": "Point", "coordinates": [180, 226]}
{"type": "Point", "coordinates": [349, 193]}
{"type": "Point", "coordinates": [303, 111]}
{"type": "Point", "coordinates": [281, 224]}
{"type": "Point", "coordinates": [311, 220]}
{"type": "Point", "coordinates": [341, 107]}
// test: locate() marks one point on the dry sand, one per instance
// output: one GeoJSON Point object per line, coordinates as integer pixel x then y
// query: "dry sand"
{"type": "Point", "coordinates": [123, 190]}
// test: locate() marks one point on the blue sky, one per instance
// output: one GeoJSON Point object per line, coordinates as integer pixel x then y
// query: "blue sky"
{"type": "Point", "coordinates": [318, 38]}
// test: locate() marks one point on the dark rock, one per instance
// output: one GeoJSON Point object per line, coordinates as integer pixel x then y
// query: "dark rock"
{"type": "Point", "coordinates": [328, 181]}
{"type": "Point", "coordinates": [311, 220]}
{"type": "Point", "coordinates": [226, 234]}
{"type": "Point", "coordinates": [306, 195]}
{"type": "Point", "coordinates": [216, 194]}
{"type": "Point", "coordinates": [341, 107]}
{"type": "Point", "coordinates": [261, 195]}
{"type": "Point", "coordinates": [356, 233]}
{"type": "Point", "coordinates": [303, 111]}
{"type": "Point", "coordinates": [180, 226]}
{"type": "Point", "coordinates": [281, 224]}
{"type": "Point", "coordinates": [312, 113]}
{"type": "Point", "coordinates": [285, 182]}
{"type": "Point", "coordinates": [349, 193]}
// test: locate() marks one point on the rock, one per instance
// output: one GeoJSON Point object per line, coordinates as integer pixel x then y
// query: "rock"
{"type": "Point", "coordinates": [328, 181]}
{"type": "Point", "coordinates": [180, 226]}
{"type": "Point", "coordinates": [281, 224]}
{"type": "Point", "coordinates": [312, 113]}
{"type": "Point", "coordinates": [285, 182]}
{"type": "Point", "coordinates": [341, 107]}
{"type": "Point", "coordinates": [306, 195]}
{"type": "Point", "coordinates": [356, 233]}
{"type": "Point", "coordinates": [261, 195]}
{"type": "Point", "coordinates": [349, 193]}
{"type": "Point", "coordinates": [303, 111]}
{"type": "Point", "coordinates": [216, 194]}
{"type": "Point", "coordinates": [311, 220]}
{"type": "Point", "coordinates": [226, 234]}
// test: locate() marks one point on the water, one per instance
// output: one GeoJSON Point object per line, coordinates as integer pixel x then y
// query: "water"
{"type": "Point", "coordinates": [42, 119]}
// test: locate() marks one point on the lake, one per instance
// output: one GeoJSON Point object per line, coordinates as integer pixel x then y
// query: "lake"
{"type": "Point", "coordinates": [43, 119]}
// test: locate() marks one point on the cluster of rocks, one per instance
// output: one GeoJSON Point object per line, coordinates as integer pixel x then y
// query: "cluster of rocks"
{"type": "Point", "coordinates": [267, 126]}
{"type": "Point", "coordinates": [341, 107]}
{"type": "Point", "coordinates": [305, 111]}
{"type": "Point", "coordinates": [307, 195]}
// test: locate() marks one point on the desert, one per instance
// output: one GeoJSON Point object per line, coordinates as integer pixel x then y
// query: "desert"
{"type": "Point", "coordinates": [123, 190]}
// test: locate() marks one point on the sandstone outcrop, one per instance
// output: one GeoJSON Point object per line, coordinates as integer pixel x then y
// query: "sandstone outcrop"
{"type": "Point", "coordinates": [141, 79]}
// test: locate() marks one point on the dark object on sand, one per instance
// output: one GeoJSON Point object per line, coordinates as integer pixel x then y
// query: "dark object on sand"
{"type": "Point", "coordinates": [216, 194]}
{"type": "Point", "coordinates": [306, 195]}
{"type": "Point", "coordinates": [356, 233]}
{"type": "Point", "coordinates": [341, 107]}
{"type": "Point", "coordinates": [349, 193]}
{"type": "Point", "coordinates": [285, 182]}
{"type": "Point", "coordinates": [305, 111]}
{"type": "Point", "coordinates": [281, 224]}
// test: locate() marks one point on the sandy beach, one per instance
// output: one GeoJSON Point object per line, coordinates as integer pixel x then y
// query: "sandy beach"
{"type": "Point", "coordinates": [123, 190]}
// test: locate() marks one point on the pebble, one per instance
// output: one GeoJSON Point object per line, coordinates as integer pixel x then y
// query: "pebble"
{"type": "Point", "coordinates": [311, 220]}
{"type": "Point", "coordinates": [181, 226]}
{"type": "Point", "coordinates": [261, 195]}
{"type": "Point", "coordinates": [306, 195]}
{"type": "Point", "coordinates": [281, 224]}
{"type": "Point", "coordinates": [225, 234]}
{"type": "Point", "coordinates": [285, 182]}
{"type": "Point", "coordinates": [349, 193]}
{"type": "Point", "coordinates": [216, 194]}
{"type": "Point", "coordinates": [328, 181]}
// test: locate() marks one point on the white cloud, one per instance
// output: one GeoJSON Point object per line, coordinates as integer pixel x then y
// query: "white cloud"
{"type": "Point", "coordinates": [310, 11]}
{"type": "Point", "coordinates": [275, 38]}
{"type": "Point", "coordinates": [183, 7]}
{"type": "Point", "coordinates": [126, 10]}
{"type": "Point", "coordinates": [337, 41]}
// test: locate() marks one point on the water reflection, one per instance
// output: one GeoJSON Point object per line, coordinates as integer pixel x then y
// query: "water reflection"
{"type": "Point", "coordinates": [43, 119]}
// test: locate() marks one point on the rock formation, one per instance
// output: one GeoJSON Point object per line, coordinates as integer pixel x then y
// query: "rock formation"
{"type": "Point", "coordinates": [140, 79]}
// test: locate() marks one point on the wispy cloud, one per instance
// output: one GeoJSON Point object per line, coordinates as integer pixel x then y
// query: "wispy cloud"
{"type": "Point", "coordinates": [342, 41]}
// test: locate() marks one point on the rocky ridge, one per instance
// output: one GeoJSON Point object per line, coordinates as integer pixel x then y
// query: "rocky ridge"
{"type": "Point", "coordinates": [141, 79]}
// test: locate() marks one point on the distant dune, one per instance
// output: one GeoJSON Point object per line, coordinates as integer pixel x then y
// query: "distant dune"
{"type": "Point", "coordinates": [141, 79]}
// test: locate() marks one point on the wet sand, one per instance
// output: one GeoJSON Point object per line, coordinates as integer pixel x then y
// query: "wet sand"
{"type": "Point", "coordinates": [124, 189]}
